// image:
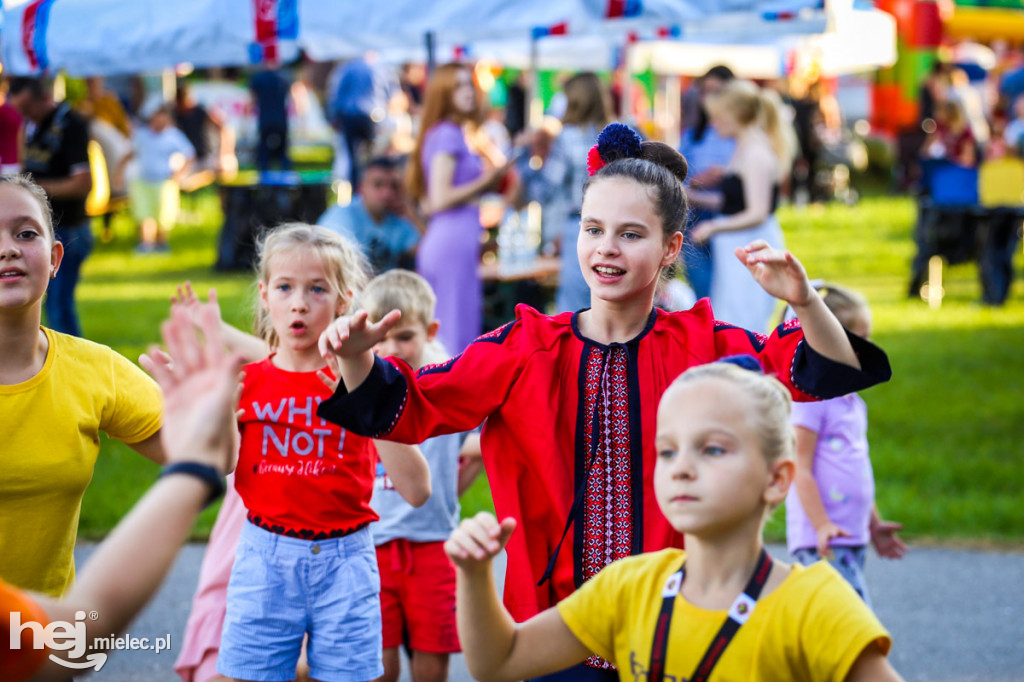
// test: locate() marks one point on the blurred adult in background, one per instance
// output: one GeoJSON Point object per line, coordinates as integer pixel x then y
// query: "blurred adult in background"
{"type": "Point", "coordinates": [447, 175]}
{"type": "Point", "coordinates": [10, 134]}
{"type": "Point", "coordinates": [707, 152]}
{"type": "Point", "coordinates": [1012, 86]}
{"type": "Point", "coordinates": [516, 103]}
{"type": "Point", "coordinates": [558, 183]}
{"type": "Point", "coordinates": [270, 88]}
{"type": "Point", "coordinates": [358, 100]}
{"type": "Point", "coordinates": [935, 88]}
{"type": "Point", "coordinates": [746, 198]}
{"type": "Point", "coordinates": [111, 127]}
{"type": "Point", "coordinates": [380, 219]}
{"type": "Point", "coordinates": [202, 129]}
{"type": "Point", "coordinates": [972, 104]}
{"type": "Point", "coordinates": [952, 139]}
{"type": "Point", "coordinates": [101, 104]}
{"type": "Point", "coordinates": [1013, 134]}
{"type": "Point", "coordinates": [57, 156]}
{"type": "Point", "coordinates": [413, 80]}
{"type": "Point", "coordinates": [813, 112]}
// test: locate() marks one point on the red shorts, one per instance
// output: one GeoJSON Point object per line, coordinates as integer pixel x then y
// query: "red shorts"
{"type": "Point", "coordinates": [417, 596]}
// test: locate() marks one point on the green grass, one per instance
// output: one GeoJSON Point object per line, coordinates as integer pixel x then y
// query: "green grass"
{"type": "Point", "coordinates": [945, 433]}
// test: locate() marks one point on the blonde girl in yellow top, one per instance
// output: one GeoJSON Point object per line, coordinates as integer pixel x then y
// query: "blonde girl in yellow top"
{"type": "Point", "coordinates": [723, 609]}
{"type": "Point", "coordinates": [57, 392]}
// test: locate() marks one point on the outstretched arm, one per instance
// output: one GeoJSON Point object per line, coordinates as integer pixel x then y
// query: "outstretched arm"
{"type": "Point", "coordinates": [496, 648]}
{"type": "Point", "coordinates": [348, 345]}
{"type": "Point", "coordinates": [198, 420]}
{"type": "Point", "coordinates": [782, 275]}
{"type": "Point", "coordinates": [408, 470]}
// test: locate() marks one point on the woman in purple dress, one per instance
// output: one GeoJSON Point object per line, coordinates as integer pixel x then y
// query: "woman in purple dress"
{"type": "Point", "coordinates": [447, 175]}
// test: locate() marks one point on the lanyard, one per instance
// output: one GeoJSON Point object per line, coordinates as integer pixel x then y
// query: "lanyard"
{"type": "Point", "coordinates": [738, 614]}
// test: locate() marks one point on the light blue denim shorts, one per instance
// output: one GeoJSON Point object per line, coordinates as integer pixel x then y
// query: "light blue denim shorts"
{"type": "Point", "coordinates": [283, 588]}
{"type": "Point", "coordinates": [849, 561]}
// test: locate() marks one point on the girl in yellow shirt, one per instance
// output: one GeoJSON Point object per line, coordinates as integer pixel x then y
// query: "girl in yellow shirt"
{"type": "Point", "coordinates": [57, 392]}
{"type": "Point", "coordinates": [723, 609]}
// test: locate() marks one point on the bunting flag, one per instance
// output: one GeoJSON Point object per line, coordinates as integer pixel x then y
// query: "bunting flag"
{"type": "Point", "coordinates": [560, 29]}
{"type": "Point", "coordinates": [623, 9]}
{"type": "Point", "coordinates": [132, 36]}
{"type": "Point", "coordinates": [275, 21]}
{"type": "Point", "coordinates": [33, 33]}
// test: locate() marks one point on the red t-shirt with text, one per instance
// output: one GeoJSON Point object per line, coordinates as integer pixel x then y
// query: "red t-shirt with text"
{"type": "Point", "coordinates": [298, 474]}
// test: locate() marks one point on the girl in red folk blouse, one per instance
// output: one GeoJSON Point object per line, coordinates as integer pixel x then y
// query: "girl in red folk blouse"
{"type": "Point", "coordinates": [570, 400]}
{"type": "Point", "coordinates": [305, 564]}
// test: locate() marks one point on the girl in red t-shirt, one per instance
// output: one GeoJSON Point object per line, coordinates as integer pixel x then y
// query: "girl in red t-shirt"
{"type": "Point", "coordinates": [305, 564]}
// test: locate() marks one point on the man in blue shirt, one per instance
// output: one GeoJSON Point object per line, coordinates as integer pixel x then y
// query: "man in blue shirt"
{"type": "Point", "coordinates": [270, 89]}
{"type": "Point", "coordinates": [359, 101]}
{"type": "Point", "coordinates": [379, 218]}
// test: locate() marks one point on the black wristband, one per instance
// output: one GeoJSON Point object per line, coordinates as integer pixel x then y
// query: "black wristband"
{"type": "Point", "coordinates": [206, 473]}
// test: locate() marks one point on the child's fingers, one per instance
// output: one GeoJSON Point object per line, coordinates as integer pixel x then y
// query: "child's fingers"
{"type": "Point", "coordinates": [454, 549]}
{"type": "Point", "coordinates": [175, 337]}
{"type": "Point", "coordinates": [333, 338]}
{"type": "Point", "coordinates": [158, 368]}
{"type": "Point", "coordinates": [326, 380]}
{"type": "Point", "coordinates": [757, 245]}
{"type": "Point", "coordinates": [461, 546]}
{"type": "Point", "coordinates": [209, 324]}
{"type": "Point", "coordinates": [508, 526]}
{"type": "Point", "coordinates": [358, 322]}
{"type": "Point", "coordinates": [386, 323]}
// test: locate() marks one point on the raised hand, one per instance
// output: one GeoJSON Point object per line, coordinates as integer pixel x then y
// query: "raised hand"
{"type": "Point", "coordinates": [353, 335]}
{"type": "Point", "coordinates": [777, 271]}
{"type": "Point", "coordinates": [199, 383]}
{"type": "Point", "coordinates": [477, 540]}
{"type": "Point", "coordinates": [185, 298]}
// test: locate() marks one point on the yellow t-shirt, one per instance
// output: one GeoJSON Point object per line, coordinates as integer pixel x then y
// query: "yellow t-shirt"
{"type": "Point", "coordinates": [812, 627]}
{"type": "Point", "coordinates": [49, 430]}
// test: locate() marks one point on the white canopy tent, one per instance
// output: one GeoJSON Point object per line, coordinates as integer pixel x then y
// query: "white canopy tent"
{"type": "Point", "coordinates": [855, 41]}
{"type": "Point", "coordinates": [104, 37]}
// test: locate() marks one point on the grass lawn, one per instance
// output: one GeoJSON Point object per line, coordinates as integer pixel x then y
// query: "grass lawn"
{"type": "Point", "coordinates": [945, 433]}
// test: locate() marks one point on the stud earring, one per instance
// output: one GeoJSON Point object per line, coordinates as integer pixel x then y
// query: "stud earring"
{"type": "Point", "coordinates": [53, 273]}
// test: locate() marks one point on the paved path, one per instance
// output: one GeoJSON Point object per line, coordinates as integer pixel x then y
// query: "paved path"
{"type": "Point", "coordinates": [954, 616]}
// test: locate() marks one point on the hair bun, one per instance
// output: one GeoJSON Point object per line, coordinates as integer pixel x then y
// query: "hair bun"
{"type": "Point", "coordinates": [618, 141]}
{"type": "Point", "coordinates": [745, 361]}
{"type": "Point", "coordinates": [667, 157]}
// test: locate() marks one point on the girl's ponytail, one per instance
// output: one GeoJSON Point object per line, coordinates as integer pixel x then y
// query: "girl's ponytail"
{"type": "Point", "coordinates": [774, 121]}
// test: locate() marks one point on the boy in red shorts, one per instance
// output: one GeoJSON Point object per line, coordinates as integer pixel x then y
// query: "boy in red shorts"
{"type": "Point", "coordinates": [417, 580]}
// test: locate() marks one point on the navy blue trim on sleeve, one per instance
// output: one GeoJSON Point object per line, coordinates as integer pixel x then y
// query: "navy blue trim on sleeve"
{"type": "Point", "coordinates": [373, 409]}
{"type": "Point", "coordinates": [816, 375]}
{"type": "Point", "coordinates": [439, 367]}
{"type": "Point", "coordinates": [757, 341]}
{"type": "Point", "coordinates": [497, 335]}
